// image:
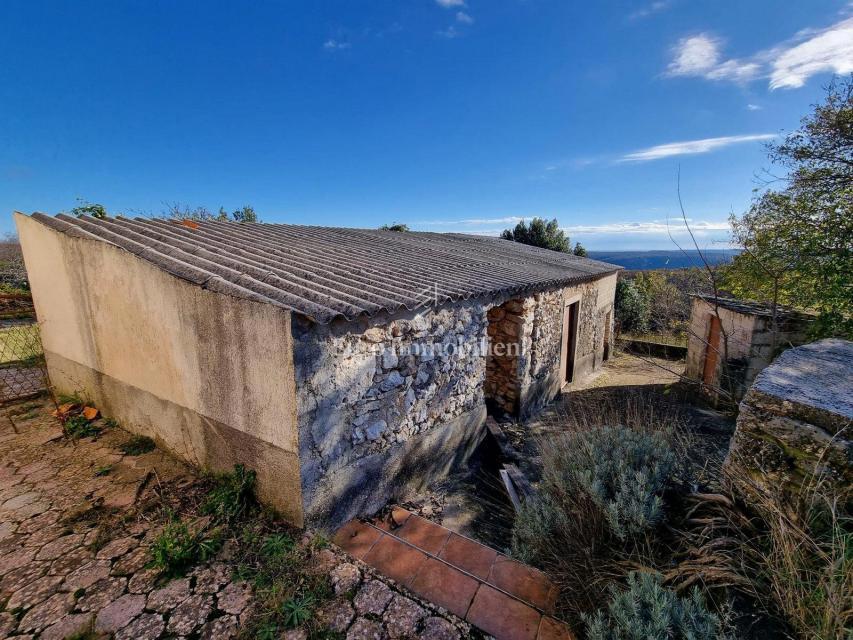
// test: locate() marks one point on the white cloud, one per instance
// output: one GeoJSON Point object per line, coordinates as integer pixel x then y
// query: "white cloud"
{"type": "Point", "coordinates": [652, 227]}
{"type": "Point", "coordinates": [828, 50]}
{"type": "Point", "coordinates": [450, 32]}
{"type": "Point", "coordinates": [472, 221]}
{"type": "Point", "coordinates": [447, 4]}
{"type": "Point", "coordinates": [754, 107]}
{"type": "Point", "coordinates": [787, 65]}
{"type": "Point", "coordinates": [699, 55]}
{"type": "Point", "coordinates": [335, 45]}
{"type": "Point", "coordinates": [650, 9]}
{"type": "Point", "coordinates": [464, 18]}
{"type": "Point", "coordinates": [690, 147]}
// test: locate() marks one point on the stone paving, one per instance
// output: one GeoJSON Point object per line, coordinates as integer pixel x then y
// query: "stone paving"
{"type": "Point", "coordinates": [76, 525]}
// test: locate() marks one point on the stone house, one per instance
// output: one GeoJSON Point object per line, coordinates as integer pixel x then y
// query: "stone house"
{"type": "Point", "coordinates": [346, 366]}
{"type": "Point", "coordinates": [729, 347]}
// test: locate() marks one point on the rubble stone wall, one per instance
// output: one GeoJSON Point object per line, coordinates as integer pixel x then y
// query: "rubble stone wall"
{"type": "Point", "coordinates": [386, 403]}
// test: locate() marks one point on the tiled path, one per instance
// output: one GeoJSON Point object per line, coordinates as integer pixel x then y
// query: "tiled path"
{"type": "Point", "coordinates": [500, 596]}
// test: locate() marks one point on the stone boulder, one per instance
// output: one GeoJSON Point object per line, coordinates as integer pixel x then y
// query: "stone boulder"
{"type": "Point", "coordinates": [795, 423]}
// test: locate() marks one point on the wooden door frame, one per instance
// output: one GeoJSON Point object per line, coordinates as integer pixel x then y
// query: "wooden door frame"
{"type": "Point", "coordinates": [565, 356]}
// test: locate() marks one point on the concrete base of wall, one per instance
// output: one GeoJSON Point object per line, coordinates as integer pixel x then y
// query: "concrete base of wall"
{"type": "Point", "coordinates": [363, 486]}
{"type": "Point", "coordinates": [196, 439]}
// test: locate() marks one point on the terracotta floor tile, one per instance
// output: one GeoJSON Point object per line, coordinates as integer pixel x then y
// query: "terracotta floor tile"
{"type": "Point", "coordinates": [503, 617]}
{"type": "Point", "coordinates": [445, 586]}
{"type": "Point", "coordinates": [395, 559]}
{"type": "Point", "coordinates": [523, 582]}
{"type": "Point", "coordinates": [392, 520]}
{"type": "Point", "coordinates": [468, 555]}
{"type": "Point", "coordinates": [551, 629]}
{"type": "Point", "coordinates": [423, 534]}
{"type": "Point", "coordinates": [356, 538]}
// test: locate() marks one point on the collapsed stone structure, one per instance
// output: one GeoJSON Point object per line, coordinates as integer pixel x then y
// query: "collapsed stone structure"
{"type": "Point", "coordinates": [730, 341]}
{"type": "Point", "coordinates": [796, 422]}
{"type": "Point", "coordinates": [347, 367]}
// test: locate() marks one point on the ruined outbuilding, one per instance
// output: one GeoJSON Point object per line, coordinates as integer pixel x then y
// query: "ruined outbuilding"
{"type": "Point", "coordinates": [346, 366]}
{"type": "Point", "coordinates": [795, 425]}
{"type": "Point", "coordinates": [731, 341]}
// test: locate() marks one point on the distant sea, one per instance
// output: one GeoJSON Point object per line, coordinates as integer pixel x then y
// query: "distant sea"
{"type": "Point", "coordinates": [645, 260]}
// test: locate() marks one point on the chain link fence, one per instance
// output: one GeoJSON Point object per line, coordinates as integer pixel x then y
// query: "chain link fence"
{"type": "Point", "coordinates": [23, 372]}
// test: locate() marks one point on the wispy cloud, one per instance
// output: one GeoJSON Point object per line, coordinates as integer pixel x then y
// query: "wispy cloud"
{"type": "Point", "coordinates": [787, 65]}
{"type": "Point", "coordinates": [650, 9]}
{"type": "Point", "coordinates": [464, 18]}
{"type": "Point", "coordinates": [656, 227]}
{"type": "Point", "coordinates": [448, 4]}
{"type": "Point", "coordinates": [754, 107]}
{"type": "Point", "coordinates": [690, 147]}
{"type": "Point", "coordinates": [470, 222]}
{"type": "Point", "coordinates": [829, 49]}
{"type": "Point", "coordinates": [335, 45]}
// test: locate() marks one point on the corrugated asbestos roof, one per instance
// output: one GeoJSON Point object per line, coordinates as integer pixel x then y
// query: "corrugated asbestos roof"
{"type": "Point", "coordinates": [326, 272]}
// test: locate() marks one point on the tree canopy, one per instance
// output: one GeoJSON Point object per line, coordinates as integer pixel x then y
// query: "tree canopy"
{"type": "Point", "coordinates": [397, 226]}
{"type": "Point", "coordinates": [797, 240]}
{"type": "Point", "coordinates": [544, 234]}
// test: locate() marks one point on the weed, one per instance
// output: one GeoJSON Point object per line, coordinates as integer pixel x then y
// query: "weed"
{"type": "Point", "coordinates": [232, 496]}
{"type": "Point", "coordinates": [112, 423]}
{"type": "Point", "coordinates": [73, 398]}
{"type": "Point", "coordinates": [79, 593]}
{"type": "Point", "coordinates": [137, 445]}
{"type": "Point", "coordinates": [103, 471]}
{"type": "Point", "coordinates": [78, 427]}
{"type": "Point", "coordinates": [178, 548]}
{"type": "Point", "coordinates": [298, 610]}
{"type": "Point", "coordinates": [276, 545]}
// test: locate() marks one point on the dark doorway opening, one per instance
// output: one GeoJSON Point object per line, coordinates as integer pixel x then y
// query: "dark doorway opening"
{"type": "Point", "coordinates": [608, 324]}
{"type": "Point", "coordinates": [570, 337]}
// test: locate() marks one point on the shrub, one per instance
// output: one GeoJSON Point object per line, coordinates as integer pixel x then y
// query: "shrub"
{"type": "Point", "coordinates": [625, 473]}
{"type": "Point", "coordinates": [648, 611]}
{"type": "Point", "coordinates": [632, 307]}
{"type": "Point", "coordinates": [232, 495]}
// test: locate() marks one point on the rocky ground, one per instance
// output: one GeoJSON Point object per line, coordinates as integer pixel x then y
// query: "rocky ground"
{"type": "Point", "coordinates": [77, 521]}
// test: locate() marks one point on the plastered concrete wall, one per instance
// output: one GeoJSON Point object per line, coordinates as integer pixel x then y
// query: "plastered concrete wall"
{"type": "Point", "coordinates": [208, 376]}
{"type": "Point", "coordinates": [748, 348]}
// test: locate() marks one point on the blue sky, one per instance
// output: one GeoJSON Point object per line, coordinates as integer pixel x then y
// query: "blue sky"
{"type": "Point", "coordinates": [444, 114]}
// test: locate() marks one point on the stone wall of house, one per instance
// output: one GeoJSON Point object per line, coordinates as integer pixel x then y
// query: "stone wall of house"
{"type": "Point", "coordinates": [389, 404]}
{"type": "Point", "coordinates": [386, 403]}
{"type": "Point", "coordinates": [541, 375]}
{"type": "Point", "coordinates": [505, 329]}
{"type": "Point", "coordinates": [795, 423]}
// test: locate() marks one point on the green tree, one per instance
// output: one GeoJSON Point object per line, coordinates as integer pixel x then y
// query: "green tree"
{"type": "Point", "coordinates": [798, 240]}
{"type": "Point", "coordinates": [539, 233]}
{"type": "Point", "coordinates": [245, 213]}
{"type": "Point", "coordinates": [632, 307]}
{"type": "Point", "coordinates": [85, 208]}
{"type": "Point", "coordinates": [580, 250]}
{"type": "Point", "coordinates": [397, 226]}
